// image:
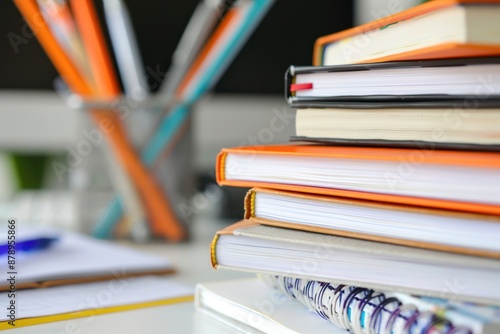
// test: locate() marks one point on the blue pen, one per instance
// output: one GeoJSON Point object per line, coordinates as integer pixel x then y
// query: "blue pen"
{"type": "Point", "coordinates": [30, 245]}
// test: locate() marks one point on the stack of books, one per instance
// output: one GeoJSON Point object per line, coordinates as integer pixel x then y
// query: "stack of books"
{"type": "Point", "coordinates": [383, 214]}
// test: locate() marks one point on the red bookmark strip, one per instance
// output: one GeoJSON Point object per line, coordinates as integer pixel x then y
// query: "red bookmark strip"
{"type": "Point", "coordinates": [302, 86]}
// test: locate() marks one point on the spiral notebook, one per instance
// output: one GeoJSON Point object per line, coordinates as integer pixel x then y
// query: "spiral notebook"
{"type": "Point", "coordinates": [276, 304]}
{"type": "Point", "coordinates": [359, 309]}
{"type": "Point", "coordinates": [250, 306]}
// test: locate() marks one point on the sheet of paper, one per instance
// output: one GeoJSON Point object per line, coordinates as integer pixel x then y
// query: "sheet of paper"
{"type": "Point", "coordinates": [34, 303]}
{"type": "Point", "coordinates": [75, 255]}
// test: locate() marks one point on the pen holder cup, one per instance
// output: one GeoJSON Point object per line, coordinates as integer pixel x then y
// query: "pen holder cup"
{"type": "Point", "coordinates": [175, 170]}
{"type": "Point", "coordinates": [91, 181]}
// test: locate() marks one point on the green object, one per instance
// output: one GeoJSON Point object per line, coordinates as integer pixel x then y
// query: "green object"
{"type": "Point", "coordinates": [29, 170]}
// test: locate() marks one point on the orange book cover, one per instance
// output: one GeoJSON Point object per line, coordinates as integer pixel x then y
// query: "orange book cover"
{"type": "Point", "coordinates": [365, 155]}
{"type": "Point", "coordinates": [445, 50]}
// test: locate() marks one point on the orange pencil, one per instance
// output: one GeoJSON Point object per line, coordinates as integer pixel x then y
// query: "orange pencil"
{"type": "Point", "coordinates": [105, 80]}
{"type": "Point", "coordinates": [96, 50]}
{"type": "Point", "coordinates": [164, 221]}
{"type": "Point", "coordinates": [228, 18]}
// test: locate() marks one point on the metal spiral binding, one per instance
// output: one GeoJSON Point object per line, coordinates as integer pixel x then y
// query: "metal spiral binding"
{"type": "Point", "coordinates": [361, 310]}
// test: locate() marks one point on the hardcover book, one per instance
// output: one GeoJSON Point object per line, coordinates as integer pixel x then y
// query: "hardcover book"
{"type": "Point", "coordinates": [248, 246]}
{"type": "Point", "coordinates": [452, 180]}
{"type": "Point", "coordinates": [459, 232]}
{"type": "Point", "coordinates": [433, 30]}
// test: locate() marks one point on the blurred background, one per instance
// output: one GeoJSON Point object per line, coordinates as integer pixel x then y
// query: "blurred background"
{"type": "Point", "coordinates": [38, 130]}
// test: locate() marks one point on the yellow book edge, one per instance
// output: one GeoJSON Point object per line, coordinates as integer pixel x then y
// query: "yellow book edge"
{"type": "Point", "coordinates": [213, 246]}
{"type": "Point", "coordinates": [91, 312]}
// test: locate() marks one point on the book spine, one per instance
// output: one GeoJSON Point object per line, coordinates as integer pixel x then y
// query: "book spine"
{"type": "Point", "coordinates": [361, 310]}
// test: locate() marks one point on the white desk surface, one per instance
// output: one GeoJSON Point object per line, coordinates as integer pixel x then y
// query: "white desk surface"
{"type": "Point", "coordinates": [192, 260]}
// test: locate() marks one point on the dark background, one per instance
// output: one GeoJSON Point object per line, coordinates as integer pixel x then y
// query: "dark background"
{"type": "Point", "coordinates": [285, 37]}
